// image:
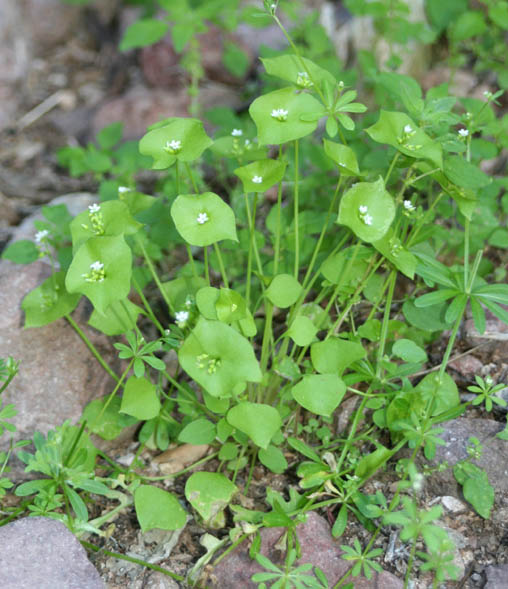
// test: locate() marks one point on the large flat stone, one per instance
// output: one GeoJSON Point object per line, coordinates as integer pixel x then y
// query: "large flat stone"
{"type": "Point", "coordinates": [41, 553]}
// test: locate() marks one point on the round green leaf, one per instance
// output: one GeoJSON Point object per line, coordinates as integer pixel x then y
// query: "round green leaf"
{"type": "Point", "coordinates": [319, 393]}
{"type": "Point", "coordinates": [140, 398]}
{"type": "Point", "coordinates": [367, 202]}
{"type": "Point", "coordinates": [203, 219]}
{"type": "Point", "coordinates": [189, 135]}
{"type": "Point", "coordinates": [393, 250]}
{"type": "Point", "coordinates": [116, 220]}
{"type": "Point", "coordinates": [334, 355]}
{"type": "Point", "coordinates": [390, 129]}
{"type": "Point", "coordinates": [284, 290]}
{"type": "Point", "coordinates": [443, 391]}
{"type": "Point", "coordinates": [273, 458]}
{"type": "Point", "coordinates": [206, 298]}
{"type": "Point", "coordinates": [142, 33]}
{"type": "Point", "coordinates": [199, 431]}
{"type": "Point", "coordinates": [230, 306]}
{"type": "Point", "coordinates": [108, 423]}
{"type": "Point", "coordinates": [261, 175]}
{"type": "Point", "coordinates": [23, 251]}
{"type": "Point", "coordinates": [260, 422]}
{"type": "Point", "coordinates": [290, 68]}
{"type": "Point", "coordinates": [295, 104]}
{"type": "Point", "coordinates": [218, 358]}
{"type": "Point", "coordinates": [121, 317]}
{"type": "Point", "coordinates": [409, 351]}
{"type": "Point", "coordinates": [209, 493]}
{"type": "Point", "coordinates": [302, 331]}
{"type": "Point", "coordinates": [116, 256]}
{"type": "Point", "coordinates": [48, 302]}
{"type": "Point", "coordinates": [343, 156]}
{"type": "Point", "coordinates": [156, 508]}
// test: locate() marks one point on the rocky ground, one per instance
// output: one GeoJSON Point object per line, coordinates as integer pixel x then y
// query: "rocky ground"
{"type": "Point", "coordinates": [61, 80]}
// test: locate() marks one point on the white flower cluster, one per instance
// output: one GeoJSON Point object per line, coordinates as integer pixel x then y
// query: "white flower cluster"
{"type": "Point", "coordinates": [40, 236]}
{"type": "Point", "coordinates": [237, 132]}
{"type": "Point", "coordinates": [181, 318]}
{"type": "Point", "coordinates": [96, 273]}
{"type": "Point", "coordinates": [463, 132]}
{"type": "Point", "coordinates": [202, 218]}
{"type": "Point", "coordinates": [173, 147]}
{"type": "Point", "coordinates": [257, 179]}
{"type": "Point", "coordinates": [124, 189]}
{"type": "Point", "coordinates": [303, 80]}
{"type": "Point", "coordinates": [93, 209]}
{"type": "Point", "coordinates": [408, 205]}
{"type": "Point", "coordinates": [364, 214]}
{"type": "Point", "coordinates": [281, 114]}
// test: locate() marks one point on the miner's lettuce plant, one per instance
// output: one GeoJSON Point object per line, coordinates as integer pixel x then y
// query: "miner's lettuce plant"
{"type": "Point", "coordinates": [310, 277]}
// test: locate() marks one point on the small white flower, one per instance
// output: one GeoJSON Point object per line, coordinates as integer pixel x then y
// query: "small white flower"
{"type": "Point", "coordinates": [281, 114]}
{"type": "Point", "coordinates": [463, 132]}
{"type": "Point", "coordinates": [273, 6]}
{"type": "Point", "coordinates": [247, 142]}
{"type": "Point", "coordinates": [367, 219]}
{"type": "Point", "coordinates": [257, 179]}
{"type": "Point", "coordinates": [181, 317]}
{"type": "Point", "coordinates": [95, 208]}
{"type": "Point", "coordinates": [363, 209]}
{"type": "Point", "coordinates": [40, 235]}
{"type": "Point", "coordinates": [123, 189]}
{"type": "Point", "coordinates": [202, 218]}
{"type": "Point", "coordinates": [173, 146]}
{"type": "Point", "coordinates": [408, 129]}
{"type": "Point", "coordinates": [188, 302]}
{"type": "Point", "coordinates": [97, 266]}
{"type": "Point", "coordinates": [237, 132]}
{"type": "Point", "coordinates": [408, 205]}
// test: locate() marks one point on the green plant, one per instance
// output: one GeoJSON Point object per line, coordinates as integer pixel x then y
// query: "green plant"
{"type": "Point", "coordinates": [312, 279]}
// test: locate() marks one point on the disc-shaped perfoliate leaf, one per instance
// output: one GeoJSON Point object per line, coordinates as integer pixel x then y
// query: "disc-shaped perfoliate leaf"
{"type": "Point", "coordinates": [302, 331]}
{"type": "Point", "coordinates": [206, 298]}
{"type": "Point", "coordinates": [257, 420]}
{"type": "Point", "coordinates": [218, 358]}
{"type": "Point", "coordinates": [261, 175]}
{"type": "Point", "coordinates": [334, 355]}
{"type": "Point", "coordinates": [291, 69]}
{"type": "Point", "coordinates": [442, 391]}
{"type": "Point", "coordinates": [156, 508]}
{"type": "Point", "coordinates": [116, 220]}
{"type": "Point", "coordinates": [367, 209]}
{"type": "Point", "coordinates": [392, 249]}
{"type": "Point", "coordinates": [137, 202]}
{"type": "Point", "coordinates": [48, 302]}
{"type": "Point", "coordinates": [121, 316]}
{"type": "Point", "coordinates": [140, 398]}
{"type": "Point", "coordinates": [116, 256]}
{"type": "Point", "coordinates": [209, 493]}
{"type": "Point", "coordinates": [343, 156]}
{"type": "Point", "coordinates": [398, 130]}
{"type": "Point", "coordinates": [103, 417]}
{"type": "Point", "coordinates": [319, 393]}
{"type": "Point", "coordinates": [203, 219]}
{"type": "Point", "coordinates": [179, 139]}
{"type": "Point", "coordinates": [291, 105]}
{"type": "Point", "coordinates": [230, 306]}
{"type": "Point", "coordinates": [179, 289]}
{"type": "Point", "coordinates": [284, 290]}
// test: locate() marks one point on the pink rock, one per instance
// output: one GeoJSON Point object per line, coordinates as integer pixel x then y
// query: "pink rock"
{"type": "Point", "coordinates": [141, 107]}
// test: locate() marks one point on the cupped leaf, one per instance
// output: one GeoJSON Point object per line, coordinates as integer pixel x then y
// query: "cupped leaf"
{"type": "Point", "coordinates": [440, 390]}
{"type": "Point", "coordinates": [319, 393]}
{"type": "Point", "coordinates": [103, 418]}
{"type": "Point", "coordinates": [368, 210]}
{"type": "Point", "coordinates": [158, 509]}
{"type": "Point", "coordinates": [48, 302]}
{"type": "Point", "coordinates": [203, 219]}
{"type": "Point", "coordinates": [121, 316]}
{"type": "Point", "coordinates": [261, 175]}
{"type": "Point", "coordinates": [278, 115]}
{"type": "Point", "coordinates": [230, 306]}
{"type": "Point", "coordinates": [180, 289]}
{"type": "Point", "coordinates": [174, 139]}
{"type": "Point", "coordinates": [284, 290]}
{"type": "Point", "coordinates": [343, 156]}
{"type": "Point", "coordinates": [393, 250]}
{"type": "Point", "coordinates": [199, 431]}
{"type": "Point", "coordinates": [273, 458]}
{"type": "Point", "coordinates": [218, 358]}
{"type": "Point", "coordinates": [334, 355]}
{"type": "Point", "coordinates": [294, 69]}
{"type": "Point", "coordinates": [209, 493]}
{"type": "Point", "coordinates": [409, 351]}
{"type": "Point", "coordinates": [116, 257]}
{"type": "Point", "coordinates": [302, 331]}
{"type": "Point", "coordinates": [398, 130]}
{"type": "Point", "coordinates": [114, 219]}
{"type": "Point", "coordinates": [259, 421]}
{"type": "Point", "coordinates": [140, 398]}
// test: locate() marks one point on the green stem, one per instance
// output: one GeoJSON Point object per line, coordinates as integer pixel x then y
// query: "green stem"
{"type": "Point", "coordinates": [147, 306]}
{"type": "Point", "coordinates": [191, 260]}
{"type": "Point", "coordinates": [143, 563]}
{"type": "Point", "coordinates": [410, 564]}
{"type": "Point", "coordinates": [207, 269]}
{"type": "Point", "coordinates": [112, 394]}
{"type": "Point", "coordinates": [276, 253]}
{"type": "Point", "coordinates": [296, 211]}
{"type": "Point", "coordinates": [451, 342]}
{"type": "Point", "coordinates": [221, 265]}
{"type": "Point", "coordinates": [154, 274]}
{"type": "Point", "coordinates": [91, 347]}
{"type": "Point", "coordinates": [384, 325]}
{"type": "Point", "coordinates": [392, 165]}
{"type": "Point", "coordinates": [191, 176]}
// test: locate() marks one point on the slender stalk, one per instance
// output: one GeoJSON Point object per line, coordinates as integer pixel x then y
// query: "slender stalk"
{"type": "Point", "coordinates": [296, 211]}
{"type": "Point", "coordinates": [384, 325]}
{"type": "Point", "coordinates": [92, 348]}
{"type": "Point", "coordinates": [276, 253]}
{"type": "Point", "coordinates": [410, 564]}
{"type": "Point", "coordinates": [207, 269]}
{"type": "Point", "coordinates": [191, 177]}
{"type": "Point", "coordinates": [112, 394]}
{"type": "Point", "coordinates": [221, 265]}
{"type": "Point", "coordinates": [451, 342]}
{"type": "Point", "coordinates": [147, 306]}
{"type": "Point", "coordinates": [154, 274]}
{"type": "Point", "coordinates": [392, 165]}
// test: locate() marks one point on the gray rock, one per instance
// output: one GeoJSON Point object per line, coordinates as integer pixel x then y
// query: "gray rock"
{"type": "Point", "coordinates": [41, 552]}
{"type": "Point", "coordinates": [318, 547]}
{"type": "Point", "coordinates": [496, 577]}
{"type": "Point", "coordinates": [494, 459]}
